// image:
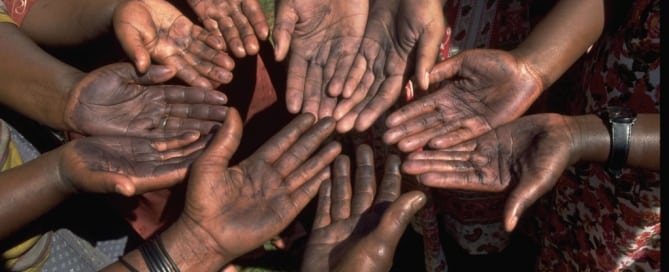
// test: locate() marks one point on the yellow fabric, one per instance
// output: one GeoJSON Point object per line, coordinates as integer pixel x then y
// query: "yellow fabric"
{"type": "Point", "coordinates": [4, 17]}
{"type": "Point", "coordinates": [12, 158]}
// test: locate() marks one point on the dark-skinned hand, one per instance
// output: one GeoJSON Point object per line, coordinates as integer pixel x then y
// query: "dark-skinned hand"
{"type": "Point", "coordinates": [240, 22]}
{"type": "Point", "coordinates": [478, 90]}
{"type": "Point", "coordinates": [155, 29]}
{"type": "Point", "coordinates": [401, 39]}
{"type": "Point", "coordinates": [359, 231]}
{"type": "Point", "coordinates": [323, 37]}
{"type": "Point", "coordinates": [532, 152]}
{"type": "Point", "coordinates": [127, 165]}
{"type": "Point", "coordinates": [238, 208]}
{"type": "Point", "coordinates": [115, 100]}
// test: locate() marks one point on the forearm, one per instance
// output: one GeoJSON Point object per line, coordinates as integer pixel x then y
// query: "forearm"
{"type": "Point", "coordinates": [564, 35]}
{"type": "Point", "coordinates": [32, 82]}
{"type": "Point", "coordinates": [29, 191]}
{"type": "Point", "coordinates": [594, 141]}
{"type": "Point", "coordinates": [68, 22]}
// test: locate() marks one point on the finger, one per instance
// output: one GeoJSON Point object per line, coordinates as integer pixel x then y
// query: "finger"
{"type": "Point", "coordinates": [413, 126]}
{"type": "Point", "coordinates": [198, 112]}
{"type": "Point", "coordinates": [186, 71]}
{"type": "Point", "coordinates": [458, 132]}
{"type": "Point", "coordinates": [231, 35]}
{"type": "Point", "coordinates": [427, 52]}
{"type": "Point", "coordinates": [211, 39]}
{"type": "Point", "coordinates": [446, 69]}
{"type": "Point", "coordinates": [177, 152]}
{"type": "Point", "coordinates": [322, 218]}
{"type": "Point", "coordinates": [365, 181]}
{"type": "Point", "coordinates": [284, 25]}
{"type": "Point", "coordinates": [411, 111]}
{"type": "Point", "coordinates": [307, 191]}
{"type": "Point", "coordinates": [297, 76]}
{"type": "Point", "coordinates": [284, 139]}
{"type": "Point", "coordinates": [391, 183]}
{"type": "Point", "coordinates": [183, 139]}
{"type": "Point", "coordinates": [213, 64]}
{"type": "Point", "coordinates": [354, 76]}
{"type": "Point", "coordinates": [439, 162]}
{"type": "Point", "coordinates": [360, 93]}
{"type": "Point", "coordinates": [315, 163]}
{"type": "Point", "coordinates": [166, 174]}
{"type": "Point", "coordinates": [256, 17]}
{"type": "Point", "coordinates": [225, 142]}
{"type": "Point", "coordinates": [298, 152]}
{"type": "Point", "coordinates": [193, 95]}
{"type": "Point", "coordinates": [181, 124]}
{"type": "Point", "coordinates": [462, 180]}
{"type": "Point", "coordinates": [396, 219]}
{"type": "Point", "coordinates": [313, 86]}
{"type": "Point", "coordinates": [246, 33]}
{"type": "Point", "coordinates": [386, 97]}
{"type": "Point", "coordinates": [338, 65]}
{"type": "Point", "coordinates": [341, 189]}
{"type": "Point", "coordinates": [133, 38]}
{"type": "Point", "coordinates": [155, 74]}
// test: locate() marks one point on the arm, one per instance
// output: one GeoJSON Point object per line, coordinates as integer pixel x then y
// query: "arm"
{"type": "Point", "coordinates": [51, 22]}
{"type": "Point", "coordinates": [535, 150]}
{"type": "Point", "coordinates": [124, 165]}
{"type": "Point", "coordinates": [33, 82]}
{"type": "Point", "coordinates": [563, 36]}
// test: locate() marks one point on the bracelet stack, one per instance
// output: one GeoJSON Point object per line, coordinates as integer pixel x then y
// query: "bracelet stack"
{"type": "Point", "coordinates": [156, 257]}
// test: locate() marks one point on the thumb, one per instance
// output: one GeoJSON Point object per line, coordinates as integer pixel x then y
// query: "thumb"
{"type": "Point", "coordinates": [284, 25]}
{"type": "Point", "coordinates": [398, 216]}
{"type": "Point", "coordinates": [446, 69]}
{"type": "Point", "coordinates": [528, 191]}
{"type": "Point", "coordinates": [426, 54]}
{"type": "Point", "coordinates": [133, 33]}
{"type": "Point", "coordinates": [225, 142]}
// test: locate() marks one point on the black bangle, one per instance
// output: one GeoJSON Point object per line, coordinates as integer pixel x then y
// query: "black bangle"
{"type": "Point", "coordinates": [127, 265]}
{"type": "Point", "coordinates": [156, 257]}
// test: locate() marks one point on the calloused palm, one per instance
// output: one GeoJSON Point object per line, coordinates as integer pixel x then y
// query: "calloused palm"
{"type": "Point", "coordinates": [320, 38]}
{"type": "Point", "coordinates": [128, 165]}
{"type": "Point", "coordinates": [115, 100]}
{"type": "Point", "coordinates": [240, 207]}
{"type": "Point", "coordinates": [359, 231]}
{"type": "Point", "coordinates": [477, 91]}
{"type": "Point", "coordinates": [156, 30]}
{"type": "Point", "coordinates": [401, 39]}
{"type": "Point", "coordinates": [240, 22]}
{"type": "Point", "coordinates": [527, 155]}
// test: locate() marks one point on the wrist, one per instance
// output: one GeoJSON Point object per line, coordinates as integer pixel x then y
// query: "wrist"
{"type": "Point", "coordinates": [591, 138]}
{"type": "Point", "coordinates": [71, 84]}
{"type": "Point", "coordinates": [192, 248]}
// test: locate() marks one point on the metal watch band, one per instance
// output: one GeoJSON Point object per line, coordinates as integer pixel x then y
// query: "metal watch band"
{"type": "Point", "coordinates": [620, 142]}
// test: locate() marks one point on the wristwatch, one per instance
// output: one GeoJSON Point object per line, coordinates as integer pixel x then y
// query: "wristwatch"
{"type": "Point", "coordinates": [619, 120]}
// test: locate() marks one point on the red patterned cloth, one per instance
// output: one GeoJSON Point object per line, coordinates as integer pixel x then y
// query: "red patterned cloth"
{"type": "Point", "coordinates": [18, 9]}
{"type": "Point", "coordinates": [592, 221]}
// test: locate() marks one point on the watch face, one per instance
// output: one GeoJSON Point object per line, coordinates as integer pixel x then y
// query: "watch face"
{"type": "Point", "coordinates": [621, 114]}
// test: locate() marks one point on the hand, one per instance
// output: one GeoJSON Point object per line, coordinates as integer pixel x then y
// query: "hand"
{"type": "Point", "coordinates": [401, 39]}
{"type": "Point", "coordinates": [323, 37]}
{"type": "Point", "coordinates": [532, 151]}
{"type": "Point", "coordinates": [240, 207]}
{"type": "Point", "coordinates": [360, 232]}
{"type": "Point", "coordinates": [480, 90]}
{"type": "Point", "coordinates": [240, 22]}
{"type": "Point", "coordinates": [114, 100]}
{"type": "Point", "coordinates": [127, 165]}
{"type": "Point", "coordinates": [154, 29]}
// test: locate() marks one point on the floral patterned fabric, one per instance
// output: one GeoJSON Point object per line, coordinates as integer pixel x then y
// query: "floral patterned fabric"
{"type": "Point", "coordinates": [592, 221]}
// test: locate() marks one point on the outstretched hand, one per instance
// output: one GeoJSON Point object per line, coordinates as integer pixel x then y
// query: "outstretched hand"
{"type": "Point", "coordinates": [240, 22]}
{"type": "Point", "coordinates": [478, 90]}
{"type": "Point", "coordinates": [359, 231]}
{"type": "Point", "coordinates": [532, 151]}
{"type": "Point", "coordinates": [237, 208]}
{"type": "Point", "coordinates": [154, 29]}
{"type": "Point", "coordinates": [128, 165]}
{"type": "Point", "coordinates": [115, 100]}
{"type": "Point", "coordinates": [320, 39]}
{"type": "Point", "coordinates": [401, 40]}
